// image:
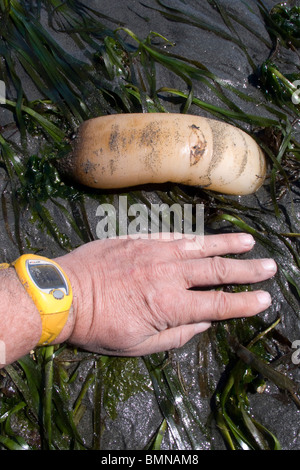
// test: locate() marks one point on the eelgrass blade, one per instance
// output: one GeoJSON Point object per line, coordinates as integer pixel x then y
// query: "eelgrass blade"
{"type": "Point", "coordinates": [245, 25]}
{"type": "Point", "coordinates": [174, 402]}
{"type": "Point", "coordinates": [76, 17]}
{"type": "Point", "coordinates": [281, 380]}
{"type": "Point", "coordinates": [13, 444]}
{"type": "Point", "coordinates": [237, 426]}
{"type": "Point", "coordinates": [98, 395]}
{"type": "Point", "coordinates": [25, 390]}
{"type": "Point", "coordinates": [85, 387]}
{"type": "Point", "coordinates": [160, 435]}
{"type": "Point", "coordinates": [274, 442]}
{"type": "Point", "coordinates": [233, 414]}
{"type": "Point", "coordinates": [77, 229]}
{"type": "Point", "coordinates": [227, 21]}
{"type": "Point", "coordinates": [228, 424]}
{"type": "Point", "coordinates": [224, 429]}
{"type": "Point", "coordinates": [61, 238]}
{"type": "Point", "coordinates": [16, 442]}
{"type": "Point", "coordinates": [293, 281]}
{"type": "Point", "coordinates": [79, 213]}
{"type": "Point", "coordinates": [64, 419]}
{"type": "Point", "coordinates": [51, 129]}
{"type": "Point", "coordinates": [166, 405]}
{"type": "Point", "coordinates": [15, 172]}
{"type": "Point", "coordinates": [37, 38]}
{"type": "Point", "coordinates": [223, 112]}
{"type": "Point", "coordinates": [281, 23]}
{"type": "Point", "coordinates": [33, 379]}
{"type": "Point", "coordinates": [17, 83]}
{"type": "Point", "coordinates": [188, 71]}
{"type": "Point", "coordinates": [48, 384]}
{"type": "Point", "coordinates": [183, 15]}
{"type": "Point", "coordinates": [282, 150]}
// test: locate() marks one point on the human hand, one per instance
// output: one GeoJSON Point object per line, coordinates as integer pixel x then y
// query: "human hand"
{"type": "Point", "coordinates": [135, 297]}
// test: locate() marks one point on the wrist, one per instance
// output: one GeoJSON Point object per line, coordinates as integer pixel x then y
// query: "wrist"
{"type": "Point", "coordinates": [78, 327]}
{"type": "Point", "coordinates": [68, 329]}
{"type": "Point", "coordinates": [20, 318]}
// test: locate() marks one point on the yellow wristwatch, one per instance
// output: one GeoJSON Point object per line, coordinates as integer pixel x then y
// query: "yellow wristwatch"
{"type": "Point", "coordinates": [50, 289]}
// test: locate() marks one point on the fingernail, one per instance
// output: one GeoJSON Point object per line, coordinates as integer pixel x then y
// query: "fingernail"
{"type": "Point", "coordinates": [264, 298]}
{"type": "Point", "coordinates": [246, 239]}
{"type": "Point", "coordinates": [269, 265]}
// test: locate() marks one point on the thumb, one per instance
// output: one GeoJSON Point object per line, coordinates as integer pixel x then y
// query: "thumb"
{"type": "Point", "coordinates": [171, 338]}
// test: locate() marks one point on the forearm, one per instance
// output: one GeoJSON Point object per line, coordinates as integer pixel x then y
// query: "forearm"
{"type": "Point", "coordinates": [20, 321]}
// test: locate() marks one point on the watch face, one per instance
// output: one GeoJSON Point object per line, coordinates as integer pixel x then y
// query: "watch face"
{"type": "Point", "coordinates": [46, 277]}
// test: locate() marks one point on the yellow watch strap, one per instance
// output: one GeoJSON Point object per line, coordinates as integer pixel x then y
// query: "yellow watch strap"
{"type": "Point", "coordinates": [4, 265]}
{"type": "Point", "coordinates": [52, 325]}
{"type": "Point", "coordinates": [53, 309]}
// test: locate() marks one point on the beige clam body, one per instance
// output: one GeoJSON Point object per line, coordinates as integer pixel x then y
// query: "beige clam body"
{"type": "Point", "coordinates": [125, 150]}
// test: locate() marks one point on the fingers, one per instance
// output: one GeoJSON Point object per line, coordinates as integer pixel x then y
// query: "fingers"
{"type": "Point", "coordinates": [201, 247]}
{"type": "Point", "coordinates": [218, 271]}
{"type": "Point", "coordinates": [196, 307]}
{"type": "Point", "coordinates": [169, 248]}
{"type": "Point", "coordinates": [231, 243]}
{"type": "Point", "coordinates": [193, 312]}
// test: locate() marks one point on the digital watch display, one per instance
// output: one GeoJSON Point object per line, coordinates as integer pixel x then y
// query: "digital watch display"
{"type": "Point", "coordinates": [46, 277]}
